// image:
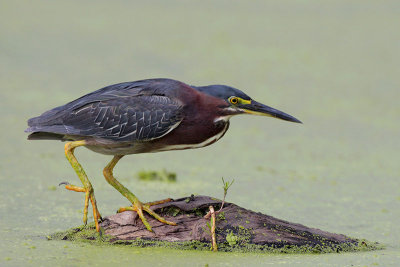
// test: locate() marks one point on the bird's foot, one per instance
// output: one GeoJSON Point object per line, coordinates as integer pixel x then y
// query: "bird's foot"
{"type": "Point", "coordinates": [140, 207]}
{"type": "Point", "coordinates": [89, 195]}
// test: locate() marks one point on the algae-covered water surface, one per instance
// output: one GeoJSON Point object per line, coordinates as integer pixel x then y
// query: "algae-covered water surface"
{"type": "Point", "coordinates": [334, 65]}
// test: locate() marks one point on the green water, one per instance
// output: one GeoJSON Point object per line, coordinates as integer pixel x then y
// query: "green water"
{"type": "Point", "coordinates": [332, 64]}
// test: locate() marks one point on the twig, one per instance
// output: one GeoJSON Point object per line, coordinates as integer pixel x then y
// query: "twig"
{"type": "Point", "coordinates": [214, 241]}
{"type": "Point", "coordinates": [225, 187]}
{"type": "Point", "coordinates": [212, 213]}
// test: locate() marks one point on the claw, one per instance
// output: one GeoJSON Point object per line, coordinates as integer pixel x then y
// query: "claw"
{"type": "Point", "coordinates": [136, 204]}
{"type": "Point", "coordinates": [89, 196]}
{"type": "Point", "coordinates": [139, 208]}
{"type": "Point", "coordinates": [63, 183]}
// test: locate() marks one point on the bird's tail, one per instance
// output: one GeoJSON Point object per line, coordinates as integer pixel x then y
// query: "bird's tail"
{"type": "Point", "coordinates": [46, 136]}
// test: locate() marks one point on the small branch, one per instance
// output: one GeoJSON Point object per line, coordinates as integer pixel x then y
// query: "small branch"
{"type": "Point", "coordinates": [225, 187]}
{"type": "Point", "coordinates": [214, 240]}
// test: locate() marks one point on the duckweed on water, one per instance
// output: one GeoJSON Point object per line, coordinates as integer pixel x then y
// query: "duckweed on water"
{"type": "Point", "coordinates": [162, 175]}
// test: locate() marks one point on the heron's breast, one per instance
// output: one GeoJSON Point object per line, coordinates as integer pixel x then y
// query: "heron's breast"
{"type": "Point", "coordinates": [194, 136]}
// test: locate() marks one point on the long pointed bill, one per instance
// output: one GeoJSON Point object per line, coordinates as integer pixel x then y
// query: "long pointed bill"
{"type": "Point", "coordinates": [256, 108]}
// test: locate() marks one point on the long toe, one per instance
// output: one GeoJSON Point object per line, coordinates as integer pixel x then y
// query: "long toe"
{"type": "Point", "coordinates": [139, 208]}
{"type": "Point", "coordinates": [89, 196]}
{"type": "Point", "coordinates": [96, 214]}
{"type": "Point", "coordinates": [155, 215]}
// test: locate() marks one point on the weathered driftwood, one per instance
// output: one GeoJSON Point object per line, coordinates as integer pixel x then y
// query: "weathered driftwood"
{"type": "Point", "coordinates": [237, 229]}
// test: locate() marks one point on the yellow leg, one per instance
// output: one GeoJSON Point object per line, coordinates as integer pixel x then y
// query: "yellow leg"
{"type": "Point", "coordinates": [87, 186]}
{"type": "Point", "coordinates": [137, 206]}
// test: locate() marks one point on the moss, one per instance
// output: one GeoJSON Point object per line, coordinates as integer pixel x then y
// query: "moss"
{"type": "Point", "coordinates": [221, 216]}
{"type": "Point", "coordinates": [234, 243]}
{"type": "Point", "coordinates": [199, 213]}
{"type": "Point", "coordinates": [88, 234]}
{"type": "Point", "coordinates": [306, 249]}
{"type": "Point", "coordinates": [82, 233]}
{"type": "Point", "coordinates": [175, 211]}
{"type": "Point", "coordinates": [232, 239]}
{"type": "Point", "coordinates": [157, 176]}
{"type": "Point", "coordinates": [239, 242]}
{"type": "Point", "coordinates": [238, 236]}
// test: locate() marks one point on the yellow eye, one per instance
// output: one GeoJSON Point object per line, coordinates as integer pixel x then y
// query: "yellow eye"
{"type": "Point", "coordinates": [234, 100]}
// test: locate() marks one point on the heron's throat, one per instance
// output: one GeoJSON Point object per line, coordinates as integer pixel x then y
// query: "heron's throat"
{"type": "Point", "coordinates": [227, 113]}
{"type": "Point", "coordinates": [222, 119]}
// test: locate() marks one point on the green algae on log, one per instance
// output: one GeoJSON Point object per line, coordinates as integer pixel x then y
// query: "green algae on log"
{"type": "Point", "coordinates": [237, 229]}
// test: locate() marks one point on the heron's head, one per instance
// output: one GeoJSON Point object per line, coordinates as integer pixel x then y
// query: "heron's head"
{"type": "Point", "coordinates": [238, 102]}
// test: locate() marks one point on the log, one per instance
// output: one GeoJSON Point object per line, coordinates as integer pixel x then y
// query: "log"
{"type": "Point", "coordinates": [237, 229]}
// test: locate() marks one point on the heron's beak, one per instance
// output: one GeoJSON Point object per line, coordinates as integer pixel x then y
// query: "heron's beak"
{"type": "Point", "coordinates": [256, 108]}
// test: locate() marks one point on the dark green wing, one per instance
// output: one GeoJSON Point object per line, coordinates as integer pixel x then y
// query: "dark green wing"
{"type": "Point", "coordinates": [125, 118]}
{"type": "Point", "coordinates": [140, 110]}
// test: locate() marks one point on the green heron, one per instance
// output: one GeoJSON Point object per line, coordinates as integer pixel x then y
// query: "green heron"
{"type": "Point", "coordinates": [144, 116]}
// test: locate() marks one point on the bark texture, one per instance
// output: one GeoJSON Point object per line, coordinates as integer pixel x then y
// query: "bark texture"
{"type": "Point", "coordinates": [235, 226]}
{"type": "Point", "coordinates": [237, 229]}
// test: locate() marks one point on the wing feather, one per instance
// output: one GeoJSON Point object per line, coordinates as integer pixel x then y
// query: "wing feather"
{"type": "Point", "coordinates": [139, 110]}
{"type": "Point", "coordinates": [136, 118]}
